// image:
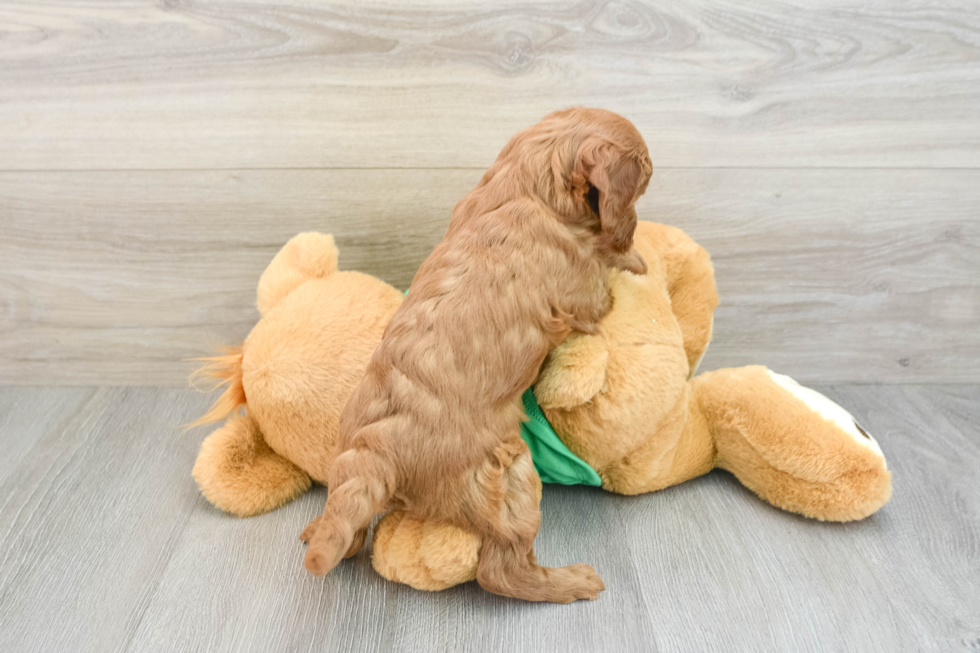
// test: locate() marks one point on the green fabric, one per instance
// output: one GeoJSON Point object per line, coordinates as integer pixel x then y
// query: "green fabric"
{"type": "Point", "coordinates": [554, 462]}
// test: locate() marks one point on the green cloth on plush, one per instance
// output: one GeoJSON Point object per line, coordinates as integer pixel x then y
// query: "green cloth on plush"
{"type": "Point", "coordinates": [554, 462]}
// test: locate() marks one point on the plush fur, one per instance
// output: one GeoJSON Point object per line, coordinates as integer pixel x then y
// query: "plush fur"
{"type": "Point", "coordinates": [596, 390]}
{"type": "Point", "coordinates": [293, 374]}
{"type": "Point", "coordinates": [429, 555]}
{"type": "Point", "coordinates": [434, 426]}
{"type": "Point", "coordinates": [238, 471]}
{"type": "Point", "coordinates": [621, 400]}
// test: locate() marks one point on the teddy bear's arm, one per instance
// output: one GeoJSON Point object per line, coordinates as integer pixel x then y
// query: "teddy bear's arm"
{"type": "Point", "coordinates": [573, 373]}
{"type": "Point", "coordinates": [690, 281]}
{"type": "Point", "coordinates": [693, 297]}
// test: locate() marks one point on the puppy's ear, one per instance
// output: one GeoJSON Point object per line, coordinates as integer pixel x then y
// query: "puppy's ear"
{"type": "Point", "coordinates": [619, 176]}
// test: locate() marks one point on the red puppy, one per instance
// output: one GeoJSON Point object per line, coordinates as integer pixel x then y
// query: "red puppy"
{"type": "Point", "coordinates": [434, 426]}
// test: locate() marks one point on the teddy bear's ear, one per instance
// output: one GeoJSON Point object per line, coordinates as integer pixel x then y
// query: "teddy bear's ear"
{"type": "Point", "coordinates": [573, 373]}
{"type": "Point", "coordinates": [306, 256]}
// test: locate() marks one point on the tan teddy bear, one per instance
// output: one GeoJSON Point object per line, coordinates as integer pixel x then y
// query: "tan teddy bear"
{"type": "Point", "coordinates": [624, 402]}
{"type": "Point", "coordinates": [294, 374]}
{"type": "Point", "coordinates": [619, 408]}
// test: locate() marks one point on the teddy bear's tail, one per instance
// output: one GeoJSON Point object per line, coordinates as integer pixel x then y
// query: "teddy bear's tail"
{"type": "Point", "coordinates": [236, 469]}
{"type": "Point", "coordinates": [306, 256]}
{"type": "Point", "coordinates": [224, 370]}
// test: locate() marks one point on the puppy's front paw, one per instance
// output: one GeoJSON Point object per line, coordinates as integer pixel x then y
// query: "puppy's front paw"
{"type": "Point", "coordinates": [633, 262]}
{"type": "Point", "coordinates": [588, 327]}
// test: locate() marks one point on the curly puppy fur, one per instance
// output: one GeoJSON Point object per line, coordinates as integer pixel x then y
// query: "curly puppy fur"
{"type": "Point", "coordinates": [433, 427]}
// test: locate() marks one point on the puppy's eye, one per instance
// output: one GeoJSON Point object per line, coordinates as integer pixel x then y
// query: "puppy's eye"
{"type": "Point", "coordinates": [593, 196]}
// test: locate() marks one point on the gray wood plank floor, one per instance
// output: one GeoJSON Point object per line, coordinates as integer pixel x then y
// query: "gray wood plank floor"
{"type": "Point", "coordinates": [106, 545]}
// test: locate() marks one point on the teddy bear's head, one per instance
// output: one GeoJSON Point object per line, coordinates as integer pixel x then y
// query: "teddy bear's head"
{"type": "Point", "coordinates": [630, 380]}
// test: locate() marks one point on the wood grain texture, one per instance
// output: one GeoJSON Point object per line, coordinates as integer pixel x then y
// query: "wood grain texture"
{"type": "Point", "coordinates": [27, 414]}
{"type": "Point", "coordinates": [117, 277]}
{"type": "Point", "coordinates": [91, 514]}
{"type": "Point", "coordinates": [307, 83]}
{"type": "Point", "coordinates": [107, 545]}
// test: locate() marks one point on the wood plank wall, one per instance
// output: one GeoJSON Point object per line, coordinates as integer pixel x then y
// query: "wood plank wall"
{"type": "Point", "coordinates": [155, 155]}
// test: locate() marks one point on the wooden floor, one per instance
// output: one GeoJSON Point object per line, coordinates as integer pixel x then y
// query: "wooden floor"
{"type": "Point", "coordinates": [108, 546]}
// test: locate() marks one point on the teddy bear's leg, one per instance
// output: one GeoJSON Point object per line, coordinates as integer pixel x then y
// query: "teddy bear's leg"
{"type": "Point", "coordinates": [681, 448]}
{"type": "Point", "coordinates": [792, 446]}
{"type": "Point", "coordinates": [238, 472]}
{"type": "Point", "coordinates": [424, 554]}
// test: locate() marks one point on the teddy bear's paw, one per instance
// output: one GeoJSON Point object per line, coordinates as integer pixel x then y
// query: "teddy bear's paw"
{"type": "Point", "coordinates": [793, 446]}
{"type": "Point", "coordinates": [830, 411]}
{"type": "Point", "coordinates": [424, 554]}
{"type": "Point", "coordinates": [239, 473]}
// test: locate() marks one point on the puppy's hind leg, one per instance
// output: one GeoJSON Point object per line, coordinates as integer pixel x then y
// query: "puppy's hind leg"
{"type": "Point", "coordinates": [361, 484]}
{"type": "Point", "coordinates": [507, 564]}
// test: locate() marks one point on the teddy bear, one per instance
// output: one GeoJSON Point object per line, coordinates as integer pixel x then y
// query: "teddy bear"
{"type": "Point", "coordinates": [621, 409]}
{"type": "Point", "coordinates": [293, 375]}
{"type": "Point", "coordinates": [627, 403]}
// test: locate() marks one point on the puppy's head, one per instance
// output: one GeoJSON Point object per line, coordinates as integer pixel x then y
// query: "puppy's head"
{"type": "Point", "coordinates": [601, 167]}
{"type": "Point", "coordinates": [589, 165]}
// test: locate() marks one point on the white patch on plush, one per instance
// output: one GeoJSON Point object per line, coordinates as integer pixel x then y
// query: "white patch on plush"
{"type": "Point", "coordinates": [827, 409]}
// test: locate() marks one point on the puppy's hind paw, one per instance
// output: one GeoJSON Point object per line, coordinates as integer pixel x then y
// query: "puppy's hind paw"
{"type": "Point", "coordinates": [579, 582]}
{"type": "Point", "coordinates": [310, 529]}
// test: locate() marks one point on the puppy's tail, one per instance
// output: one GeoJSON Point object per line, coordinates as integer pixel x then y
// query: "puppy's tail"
{"type": "Point", "coordinates": [362, 483]}
{"type": "Point", "coordinates": [224, 371]}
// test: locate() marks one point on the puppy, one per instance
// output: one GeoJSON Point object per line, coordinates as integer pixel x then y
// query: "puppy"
{"type": "Point", "coordinates": [434, 426]}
